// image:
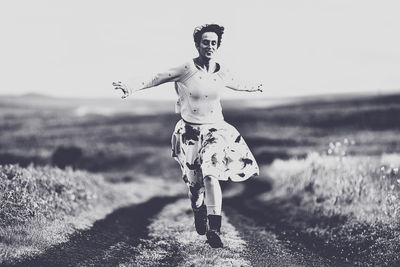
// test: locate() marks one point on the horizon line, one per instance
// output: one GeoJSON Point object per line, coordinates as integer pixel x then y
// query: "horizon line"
{"type": "Point", "coordinates": [306, 95]}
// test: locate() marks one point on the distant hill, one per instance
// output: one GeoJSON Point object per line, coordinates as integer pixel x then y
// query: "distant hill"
{"type": "Point", "coordinates": [132, 105]}
{"type": "Point", "coordinates": [104, 106]}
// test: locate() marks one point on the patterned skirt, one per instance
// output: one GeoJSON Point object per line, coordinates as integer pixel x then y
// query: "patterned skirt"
{"type": "Point", "coordinates": [215, 149]}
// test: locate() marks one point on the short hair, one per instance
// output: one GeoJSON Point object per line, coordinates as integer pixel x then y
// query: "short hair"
{"type": "Point", "coordinates": [198, 32]}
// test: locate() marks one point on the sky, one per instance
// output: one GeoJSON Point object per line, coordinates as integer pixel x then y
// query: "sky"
{"type": "Point", "coordinates": [77, 48]}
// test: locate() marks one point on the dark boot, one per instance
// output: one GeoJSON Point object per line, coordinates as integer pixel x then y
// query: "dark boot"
{"type": "Point", "coordinates": [200, 213]}
{"type": "Point", "coordinates": [200, 219]}
{"type": "Point", "coordinates": [213, 238]}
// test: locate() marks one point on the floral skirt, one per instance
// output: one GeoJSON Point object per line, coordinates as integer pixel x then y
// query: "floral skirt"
{"type": "Point", "coordinates": [215, 149]}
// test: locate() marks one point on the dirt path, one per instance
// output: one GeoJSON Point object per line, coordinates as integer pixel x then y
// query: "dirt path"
{"type": "Point", "coordinates": [173, 242]}
{"type": "Point", "coordinates": [160, 232]}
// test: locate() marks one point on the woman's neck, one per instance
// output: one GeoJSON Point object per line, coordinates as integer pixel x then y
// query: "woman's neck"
{"type": "Point", "coordinates": [208, 65]}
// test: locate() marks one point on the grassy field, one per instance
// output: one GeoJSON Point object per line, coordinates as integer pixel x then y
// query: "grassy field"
{"type": "Point", "coordinates": [332, 163]}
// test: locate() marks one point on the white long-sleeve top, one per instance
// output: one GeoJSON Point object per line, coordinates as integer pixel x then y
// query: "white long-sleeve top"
{"type": "Point", "coordinates": [198, 91]}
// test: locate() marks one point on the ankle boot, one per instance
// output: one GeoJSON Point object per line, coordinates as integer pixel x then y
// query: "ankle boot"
{"type": "Point", "coordinates": [200, 219]}
{"type": "Point", "coordinates": [213, 238]}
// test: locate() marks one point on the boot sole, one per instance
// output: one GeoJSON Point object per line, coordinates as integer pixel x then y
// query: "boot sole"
{"type": "Point", "coordinates": [214, 240]}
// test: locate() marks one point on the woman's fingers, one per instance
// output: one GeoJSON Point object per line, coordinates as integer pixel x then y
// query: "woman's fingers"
{"type": "Point", "coordinates": [120, 86]}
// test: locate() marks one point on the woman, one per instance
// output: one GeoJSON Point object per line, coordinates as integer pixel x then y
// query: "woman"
{"type": "Point", "coordinates": [207, 148]}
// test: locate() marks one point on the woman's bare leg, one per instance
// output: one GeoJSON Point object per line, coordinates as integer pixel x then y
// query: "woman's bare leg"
{"type": "Point", "coordinates": [213, 202]}
{"type": "Point", "coordinates": [213, 198]}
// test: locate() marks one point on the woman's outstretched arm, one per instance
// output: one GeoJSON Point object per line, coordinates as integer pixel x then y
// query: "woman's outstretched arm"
{"type": "Point", "coordinates": [233, 82]}
{"type": "Point", "coordinates": [137, 84]}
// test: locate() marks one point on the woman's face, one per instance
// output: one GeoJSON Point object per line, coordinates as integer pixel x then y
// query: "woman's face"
{"type": "Point", "coordinates": [208, 45]}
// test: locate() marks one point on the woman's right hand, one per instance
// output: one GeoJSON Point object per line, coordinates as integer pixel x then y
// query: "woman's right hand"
{"type": "Point", "coordinates": [123, 87]}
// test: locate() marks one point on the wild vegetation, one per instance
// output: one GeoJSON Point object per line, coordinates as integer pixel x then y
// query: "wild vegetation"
{"type": "Point", "coordinates": [348, 207]}
{"type": "Point", "coordinates": [46, 192]}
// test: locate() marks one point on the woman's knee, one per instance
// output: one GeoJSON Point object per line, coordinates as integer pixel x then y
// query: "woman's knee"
{"type": "Point", "coordinates": [210, 180]}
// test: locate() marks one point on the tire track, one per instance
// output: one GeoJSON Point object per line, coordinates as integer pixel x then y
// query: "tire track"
{"type": "Point", "coordinates": [267, 243]}
{"type": "Point", "coordinates": [265, 249]}
{"type": "Point", "coordinates": [109, 242]}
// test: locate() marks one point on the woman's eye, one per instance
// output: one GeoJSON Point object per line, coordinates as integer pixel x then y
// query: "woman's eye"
{"type": "Point", "coordinates": [205, 42]}
{"type": "Point", "coordinates": [213, 42]}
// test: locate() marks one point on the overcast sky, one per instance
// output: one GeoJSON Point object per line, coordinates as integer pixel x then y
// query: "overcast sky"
{"type": "Point", "coordinates": [294, 47]}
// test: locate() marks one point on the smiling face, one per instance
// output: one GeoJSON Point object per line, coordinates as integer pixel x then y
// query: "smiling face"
{"type": "Point", "coordinates": [208, 45]}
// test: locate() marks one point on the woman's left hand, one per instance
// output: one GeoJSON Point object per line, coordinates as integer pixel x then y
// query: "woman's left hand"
{"type": "Point", "coordinates": [123, 87]}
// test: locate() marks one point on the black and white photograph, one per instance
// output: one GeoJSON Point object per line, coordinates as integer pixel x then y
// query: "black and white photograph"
{"type": "Point", "coordinates": [200, 133]}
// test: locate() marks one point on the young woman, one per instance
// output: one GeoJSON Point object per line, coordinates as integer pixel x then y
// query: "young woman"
{"type": "Point", "coordinates": [207, 148]}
